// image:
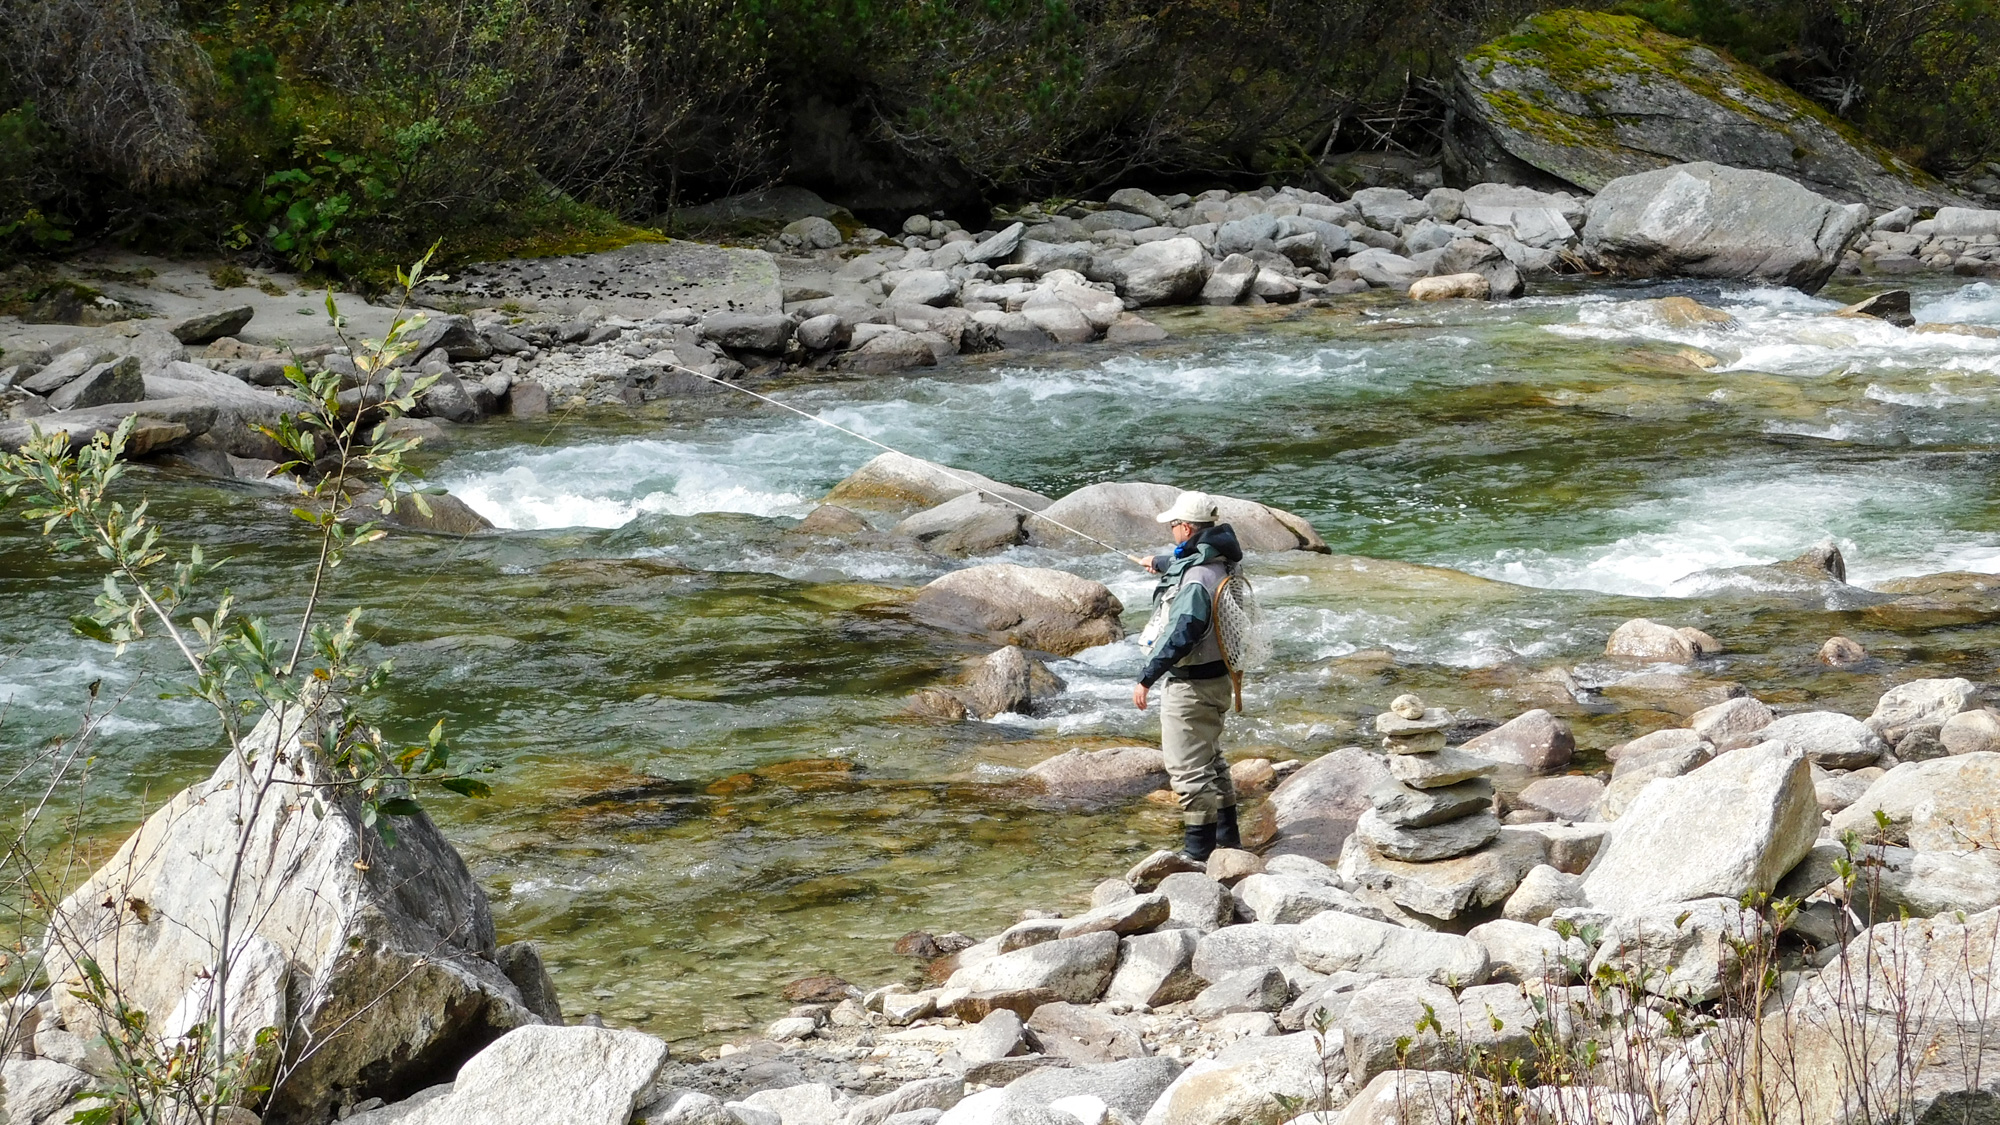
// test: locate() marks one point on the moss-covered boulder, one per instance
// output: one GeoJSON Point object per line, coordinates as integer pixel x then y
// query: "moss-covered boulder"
{"type": "Point", "coordinates": [1582, 98]}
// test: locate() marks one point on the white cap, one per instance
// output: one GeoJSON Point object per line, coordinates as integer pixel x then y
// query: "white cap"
{"type": "Point", "coordinates": [1190, 507]}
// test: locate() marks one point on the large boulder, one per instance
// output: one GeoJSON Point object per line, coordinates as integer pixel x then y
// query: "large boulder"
{"type": "Point", "coordinates": [898, 482]}
{"type": "Point", "coordinates": [1943, 804]}
{"type": "Point", "coordinates": [1832, 740]}
{"type": "Point", "coordinates": [1247, 1080]}
{"type": "Point", "coordinates": [1705, 220]}
{"type": "Point", "coordinates": [1686, 951]}
{"type": "Point", "coordinates": [1168, 272]}
{"type": "Point", "coordinates": [1734, 826]}
{"type": "Point", "coordinates": [1050, 610]}
{"type": "Point", "coordinates": [1448, 888]}
{"type": "Point", "coordinates": [1902, 1022]}
{"type": "Point", "coordinates": [533, 1075]}
{"type": "Point", "coordinates": [1124, 514]}
{"type": "Point", "coordinates": [1921, 705]}
{"type": "Point", "coordinates": [1314, 810]}
{"type": "Point", "coordinates": [389, 950]}
{"type": "Point", "coordinates": [1583, 98]}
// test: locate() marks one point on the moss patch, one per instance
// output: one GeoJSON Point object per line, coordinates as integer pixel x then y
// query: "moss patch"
{"type": "Point", "coordinates": [1589, 52]}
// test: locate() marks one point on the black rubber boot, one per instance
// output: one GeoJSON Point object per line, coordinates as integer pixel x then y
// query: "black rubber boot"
{"type": "Point", "coordinates": [1200, 842]}
{"type": "Point", "coordinates": [1226, 833]}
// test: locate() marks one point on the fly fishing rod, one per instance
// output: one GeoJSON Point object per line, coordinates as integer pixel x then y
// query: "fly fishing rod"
{"type": "Point", "coordinates": [967, 481]}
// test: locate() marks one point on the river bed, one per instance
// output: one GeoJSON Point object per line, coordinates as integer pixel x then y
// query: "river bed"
{"type": "Point", "coordinates": [706, 784]}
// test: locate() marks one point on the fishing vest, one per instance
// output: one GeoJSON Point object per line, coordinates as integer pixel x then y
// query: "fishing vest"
{"type": "Point", "coordinates": [1208, 650]}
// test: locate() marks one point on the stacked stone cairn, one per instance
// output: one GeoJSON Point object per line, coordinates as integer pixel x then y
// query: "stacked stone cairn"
{"type": "Point", "coordinates": [1440, 803]}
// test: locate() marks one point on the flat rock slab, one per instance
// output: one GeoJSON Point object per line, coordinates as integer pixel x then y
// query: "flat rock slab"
{"type": "Point", "coordinates": [635, 281]}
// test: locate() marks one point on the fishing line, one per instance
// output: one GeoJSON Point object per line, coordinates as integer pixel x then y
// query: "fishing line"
{"type": "Point", "coordinates": [968, 481]}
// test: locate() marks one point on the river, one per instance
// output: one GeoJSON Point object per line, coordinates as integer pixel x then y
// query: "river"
{"type": "Point", "coordinates": [705, 782]}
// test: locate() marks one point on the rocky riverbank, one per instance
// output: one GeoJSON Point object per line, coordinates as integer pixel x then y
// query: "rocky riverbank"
{"type": "Point", "coordinates": [659, 320]}
{"type": "Point", "coordinates": [1419, 909]}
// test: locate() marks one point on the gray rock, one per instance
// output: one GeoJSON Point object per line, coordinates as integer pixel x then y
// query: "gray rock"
{"type": "Point", "coordinates": [998, 247]}
{"type": "Point", "coordinates": [206, 327]}
{"type": "Point", "coordinates": [1287, 899]}
{"type": "Point", "coordinates": [809, 1103]}
{"type": "Point", "coordinates": [1132, 328]}
{"type": "Point", "coordinates": [1384, 269]}
{"type": "Point", "coordinates": [1197, 902]}
{"type": "Point", "coordinates": [1167, 272]}
{"type": "Point", "coordinates": [634, 281]}
{"type": "Point", "coordinates": [965, 525]}
{"type": "Point", "coordinates": [1050, 610]}
{"type": "Point", "coordinates": [1126, 916]}
{"type": "Point", "coordinates": [1450, 887]}
{"type": "Point", "coordinates": [924, 287]}
{"type": "Point", "coordinates": [1734, 826]}
{"type": "Point", "coordinates": [64, 368]}
{"type": "Point", "coordinates": [1156, 969]}
{"type": "Point", "coordinates": [1123, 513]}
{"type": "Point", "coordinates": [1085, 1035]}
{"type": "Point", "coordinates": [34, 1091]}
{"type": "Point", "coordinates": [1444, 767]}
{"type": "Point", "coordinates": [1733, 723]}
{"type": "Point", "coordinates": [1403, 807]}
{"type": "Point", "coordinates": [1533, 113]}
{"type": "Point", "coordinates": [1921, 705]}
{"type": "Point", "coordinates": [415, 909]}
{"type": "Point", "coordinates": [1921, 884]}
{"type": "Point", "coordinates": [897, 482]}
{"type": "Point", "coordinates": [1325, 998]}
{"type": "Point", "coordinates": [765, 333]}
{"type": "Point", "coordinates": [1387, 208]}
{"type": "Point", "coordinates": [1543, 891]}
{"type": "Point", "coordinates": [1233, 948]}
{"type": "Point", "coordinates": [1147, 874]}
{"type": "Point", "coordinates": [533, 1075]}
{"type": "Point", "coordinates": [1943, 804]}
{"type": "Point", "coordinates": [1139, 201]}
{"type": "Point", "coordinates": [1240, 236]}
{"type": "Point", "coordinates": [995, 1037]}
{"type": "Point", "coordinates": [1260, 988]}
{"type": "Point", "coordinates": [1380, 1026]}
{"type": "Point", "coordinates": [1534, 740]}
{"type": "Point", "coordinates": [1231, 280]}
{"type": "Point", "coordinates": [1705, 220]}
{"type": "Point", "coordinates": [1681, 950]}
{"type": "Point", "coordinates": [1571, 797]}
{"type": "Point", "coordinates": [813, 232]}
{"type": "Point", "coordinates": [1246, 1080]}
{"type": "Point", "coordinates": [1074, 969]}
{"type": "Point", "coordinates": [925, 1093]}
{"type": "Point", "coordinates": [1813, 1037]}
{"type": "Point", "coordinates": [1130, 1087]}
{"type": "Point", "coordinates": [1101, 777]}
{"type": "Point", "coordinates": [107, 383]}
{"type": "Point", "coordinates": [1424, 845]}
{"type": "Point", "coordinates": [1569, 847]}
{"type": "Point", "coordinates": [1335, 942]}
{"type": "Point", "coordinates": [823, 333]}
{"type": "Point", "coordinates": [1520, 951]}
{"type": "Point", "coordinates": [1313, 811]}
{"type": "Point", "coordinates": [521, 962]}
{"type": "Point", "coordinates": [1832, 740]}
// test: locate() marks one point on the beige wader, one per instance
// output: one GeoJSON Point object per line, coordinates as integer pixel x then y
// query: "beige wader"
{"type": "Point", "coordinates": [1191, 735]}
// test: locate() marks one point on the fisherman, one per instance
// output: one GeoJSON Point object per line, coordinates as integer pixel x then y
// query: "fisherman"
{"type": "Point", "coordinates": [1185, 649]}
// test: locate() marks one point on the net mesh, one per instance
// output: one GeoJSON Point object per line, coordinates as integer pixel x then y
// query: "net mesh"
{"type": "Point", "coordinates": [1240, 625]}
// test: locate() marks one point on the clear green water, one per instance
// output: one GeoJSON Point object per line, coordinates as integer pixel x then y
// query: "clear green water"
{"type": "Point", "coordinates": [706, 786]}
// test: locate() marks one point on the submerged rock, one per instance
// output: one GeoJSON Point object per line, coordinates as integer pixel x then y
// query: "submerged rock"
{"type": "Point", "coordinates": [1101, 777]}
{"type": "Point", "coordinates": [1049, 610]}
{"type": "Point", "coordinates": [894, 481]}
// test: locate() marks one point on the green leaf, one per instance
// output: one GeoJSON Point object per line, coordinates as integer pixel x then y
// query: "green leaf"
{"type": "Point", "coordinates": [401, 806]}
{"type": "Point", "coordinates": [92, 628]}
{"type": "Point", "coordinates": [467, 786]}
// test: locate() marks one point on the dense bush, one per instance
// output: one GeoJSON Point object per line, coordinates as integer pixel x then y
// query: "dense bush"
{"type": "Point", "coordinates": [326, 133]}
